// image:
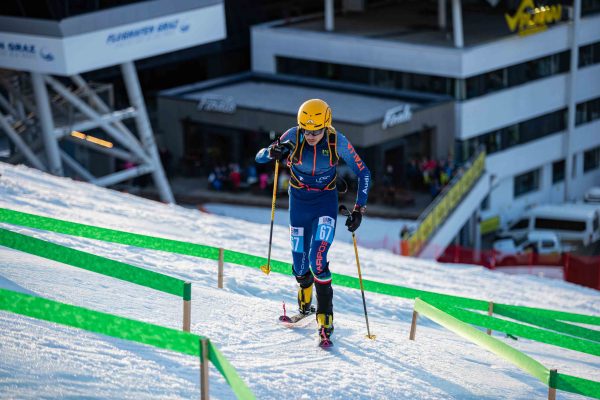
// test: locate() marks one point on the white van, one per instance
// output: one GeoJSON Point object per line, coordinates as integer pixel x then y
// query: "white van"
{"type": "Point", "coordinates": [574, 224]}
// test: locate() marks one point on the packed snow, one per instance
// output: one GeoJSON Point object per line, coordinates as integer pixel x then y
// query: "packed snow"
{"type": "Point", "coordinates": [45, 360]}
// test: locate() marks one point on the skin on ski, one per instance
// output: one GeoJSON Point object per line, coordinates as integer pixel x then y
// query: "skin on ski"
{"type": "Point", "coordinates": [293, 320]}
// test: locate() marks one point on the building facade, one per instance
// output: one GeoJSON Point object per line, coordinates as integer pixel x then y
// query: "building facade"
{"type": "Point", "coordinates": [524, 79]}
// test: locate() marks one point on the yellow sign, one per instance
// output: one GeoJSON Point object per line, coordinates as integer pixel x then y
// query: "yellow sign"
{"type": "Point", "coordinates": [531, 19]}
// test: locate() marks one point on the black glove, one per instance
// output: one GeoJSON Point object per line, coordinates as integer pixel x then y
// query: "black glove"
{"type": "Point", "coordinates": [280, 150]}
{"type": "Point", "coordinates": [353, 221]}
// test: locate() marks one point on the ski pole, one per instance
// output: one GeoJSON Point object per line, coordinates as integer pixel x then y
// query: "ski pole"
{"type": "Point", "coordinates": [267, 267]}
{"type": "Point", "coordinates": [347, 213]}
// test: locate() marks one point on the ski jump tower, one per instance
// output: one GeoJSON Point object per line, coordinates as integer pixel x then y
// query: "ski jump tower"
{"type": "Point", "coordinates": [46, 106]}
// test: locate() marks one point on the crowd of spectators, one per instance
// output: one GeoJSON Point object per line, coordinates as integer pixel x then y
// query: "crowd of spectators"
{"type": "Point", "coordinates": [429, 175]}
{"type": "Point", "coordinates": [231, 177]}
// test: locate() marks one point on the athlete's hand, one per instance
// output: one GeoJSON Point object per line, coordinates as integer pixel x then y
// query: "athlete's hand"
{"type": "Point", "coordinates": [353, 221]}
{"type": "Point", "coordinates": [280, 150]}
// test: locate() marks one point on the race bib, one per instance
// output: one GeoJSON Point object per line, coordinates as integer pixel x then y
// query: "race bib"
{"type": "Point", "coordinates": [297, 238]}
{"type": "Point", "coordinates": [326, 229]}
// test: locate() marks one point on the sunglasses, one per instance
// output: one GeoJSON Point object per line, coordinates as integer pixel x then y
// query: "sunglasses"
{"type": "Point", "coordinates": [312, 133]}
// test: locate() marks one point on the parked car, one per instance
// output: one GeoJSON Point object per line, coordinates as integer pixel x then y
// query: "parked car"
{"type": "Point", "coordinates": [574, 224]}
{"type": "Point", "coordinates": [536, 247]}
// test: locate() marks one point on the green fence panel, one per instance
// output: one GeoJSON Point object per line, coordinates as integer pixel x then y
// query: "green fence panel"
{"type": "Point", "coordinates": [490, 343]}
{"type": "Point", "coordinates": [122, 328]}
{"type": "Point", "coordinates": [525, 331]}
{"type": "Point", "coordinates": [229, 373]}
{"type": "Point", "coordinates": [91, 262]}
{"type": "Point", "coordinates": [107, 235]}
{"type": "Point", "coordinates": [98, 322]}
{"type": "Point", "coordinates": [554, 314]}
{"type": "Point", "coordinates": [548, 323]}
{"type": "Point", "coordinates": [408, 293]}
{"type": "Point", "coordinates": [577, 385]}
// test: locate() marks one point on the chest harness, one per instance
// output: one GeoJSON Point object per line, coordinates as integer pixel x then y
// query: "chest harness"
{"type": "Point", "coordinates": [295, 158]}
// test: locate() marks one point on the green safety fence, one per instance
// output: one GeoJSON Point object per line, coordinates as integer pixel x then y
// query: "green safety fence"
{"type": "Point", "coordinates": [197, 250]}
{"type": "Point", "coordinates": [553, 314]}
{"type": "Point", "coordinates": [107, 235]}
{"type": "Point", "coordinates": [122, 328]}
{"type": "Point", "coordinates": [524, 331]}
{"type": "Point", "coordinates": [534, 368]}
{"type": "Point", "coordinates": [492, 344]}
{"type": "Point", "coordinates": [548, 323]}
{"type": "Point", "coordinates": [538, 316]}
{"type": "Point", "coordinates": [94, 263]}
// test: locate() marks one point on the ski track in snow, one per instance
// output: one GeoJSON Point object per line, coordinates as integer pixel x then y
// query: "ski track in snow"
{"type": "Point", "coordinates": [44, 360]}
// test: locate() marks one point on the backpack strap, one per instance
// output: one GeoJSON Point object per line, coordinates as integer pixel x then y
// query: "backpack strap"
{"type": "Point", "coordinates": [295, 156]}
{"type": "Point", "coordinates": [334, 157]}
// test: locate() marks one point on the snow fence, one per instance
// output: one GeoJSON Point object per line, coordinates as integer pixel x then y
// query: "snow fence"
{"type": "Point", "coordinates": [458, 320]}
{"type": "Point", "coordinates": [552, 327]}
{"type": "Point", "coordinates": [128, 329]}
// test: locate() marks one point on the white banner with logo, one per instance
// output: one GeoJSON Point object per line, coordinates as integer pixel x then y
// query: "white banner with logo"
{"type": "Point", "coordinates": [112, 46]}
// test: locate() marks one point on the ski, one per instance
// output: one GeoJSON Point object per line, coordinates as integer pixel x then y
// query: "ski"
{"type": "Point", "coordinates": [290, 320]}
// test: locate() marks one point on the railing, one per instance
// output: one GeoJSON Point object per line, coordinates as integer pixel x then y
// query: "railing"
{"type": "Point", "coordinates": [564, 332]}
{"type": "Point", "coordinates": [436, 213]}
{"type": "Point", "coordinates": [128, 329]}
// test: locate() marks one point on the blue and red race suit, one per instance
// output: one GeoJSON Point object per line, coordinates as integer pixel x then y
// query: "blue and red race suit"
{"type": "Point", "coordinates": [314, 198]}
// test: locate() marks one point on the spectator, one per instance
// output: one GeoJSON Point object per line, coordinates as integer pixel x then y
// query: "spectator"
{"type": "Point", "coordinates": [235, 177]}
{"type": "Point", "coordinates": [263, 181]}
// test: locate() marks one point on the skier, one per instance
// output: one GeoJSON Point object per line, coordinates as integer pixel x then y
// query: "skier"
{"type": "Point", "coordinates": [312, 150]}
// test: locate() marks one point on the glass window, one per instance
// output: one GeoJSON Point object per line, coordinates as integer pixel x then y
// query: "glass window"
{"type": "Point", "coordinates": [560, 224]}
{"type": "Point", "coordinates": [520, 224]}
{"type": "Point", "coordinates": [558, 171]}
{"type": "Point", "coordinates": [591, 159]}
{"type": "Point", "coordinates": [590, 7]}
{"type": "Point", "coordinates": [485, 203]}
{"type": "Point", "coordinates": [513, 135]}
{"type": "Point", "coordinates": [547, 244]}
{"type": "Point", "coordinates": [526, 183]}
{"type": "Point", "coordinates": [587, 111]}
{"type": "Point", "coordinates": [589, 54]}
{"type": "Point", "coordinates": [460, 89]}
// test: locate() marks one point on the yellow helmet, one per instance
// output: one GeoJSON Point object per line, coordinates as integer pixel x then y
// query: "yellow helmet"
{"type": "Point", "coordinates": [314, 114]}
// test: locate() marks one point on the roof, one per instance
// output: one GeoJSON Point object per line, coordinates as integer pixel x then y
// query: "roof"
{"type": "Point", "coordinates": [565, 211]}
{"type": "Point", "coordinates": [283, 95]}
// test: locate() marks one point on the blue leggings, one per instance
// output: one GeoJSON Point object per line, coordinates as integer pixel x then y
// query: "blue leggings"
{"type": "Point", "coordinates": [313, 216]}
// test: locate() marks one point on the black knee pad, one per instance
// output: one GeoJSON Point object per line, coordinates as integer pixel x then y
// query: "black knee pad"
{"type": "Point", "coordinates": [305, 280]}
{"type": "Point", "coordinates": [324, 298]}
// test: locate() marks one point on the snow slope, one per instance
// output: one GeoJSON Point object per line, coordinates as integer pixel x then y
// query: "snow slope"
{"type": "Point", "coordinates": [44, 360]}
